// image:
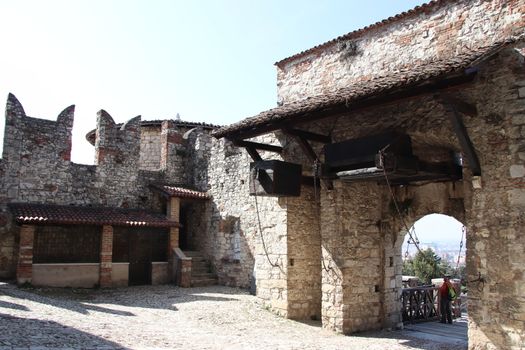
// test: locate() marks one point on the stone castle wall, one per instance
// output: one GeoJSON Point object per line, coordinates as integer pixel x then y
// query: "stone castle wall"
{"type": "Point", "coordinates": [360, 232]}
{"type": "Point", "coordinates": [150, 148]}
{"type": "Point", "coordinates": [495, 212]}
{"type": "Point", "coordinates": [242, 254]}
{"type": "Point", "coordinates": [304, 255]}
{"type": "Point", "coordinates": [450, 26]}
{"type": "Point", "coordinates": [128, 157]}
{"type": "Point", "coordinates": [36, 167]}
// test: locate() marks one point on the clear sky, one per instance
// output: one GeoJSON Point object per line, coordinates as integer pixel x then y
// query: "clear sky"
{"type": "Point", "coordinates": [435, 228]}
{"type": "Point", "coordinates": [210, 61]}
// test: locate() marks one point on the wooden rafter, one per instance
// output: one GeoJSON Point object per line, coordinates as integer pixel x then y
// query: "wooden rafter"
{"type": "Point", "coordinates": [258, 146]}
{"type": "Point", "coordinates": [254, 154]}
{"type": "Point", "coordinates": [428, 89]}
{"type": "Point", "coordinates": [312, 157]}
{"type": "Point", "coordinates": [460, 105]}
{"type": "Point", "coordinates": [454, 106]}
{"type": "Point", "coordinates": [307, 135]}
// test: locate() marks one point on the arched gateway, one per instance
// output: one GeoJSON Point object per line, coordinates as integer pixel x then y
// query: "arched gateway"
{"type": "Point", "coordinates": [427, 108]}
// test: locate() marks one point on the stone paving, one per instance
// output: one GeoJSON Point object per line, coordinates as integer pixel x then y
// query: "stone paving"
{"type": "Point", "coordinates": [168, 317]}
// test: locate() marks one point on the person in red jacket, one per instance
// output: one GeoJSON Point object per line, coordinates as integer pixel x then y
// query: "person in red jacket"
{"type": "Point", "coordinates": [444, 303]}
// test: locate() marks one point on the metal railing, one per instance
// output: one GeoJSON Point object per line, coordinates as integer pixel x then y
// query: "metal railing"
{"type": "Point", "coordinates": [422, 304]}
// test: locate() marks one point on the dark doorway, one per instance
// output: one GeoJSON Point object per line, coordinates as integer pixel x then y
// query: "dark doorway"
{"type": "Point", "coordinates": [140, 244]}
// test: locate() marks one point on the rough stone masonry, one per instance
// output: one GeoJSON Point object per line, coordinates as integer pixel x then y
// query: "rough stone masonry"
{"type": "Point", "coordinates": [329, 254]}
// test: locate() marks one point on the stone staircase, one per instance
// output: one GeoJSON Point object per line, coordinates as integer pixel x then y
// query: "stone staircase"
{"type": "Point", "coordinates": [201, 274]}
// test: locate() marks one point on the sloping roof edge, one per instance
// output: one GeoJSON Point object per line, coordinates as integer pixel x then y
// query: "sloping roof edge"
{"type": "Point", "coordinates": [393, 19]}
{"type": "Point", "coordinates": [51, 214]}
{"type": "Point", "coordinates": [179, 191]}
{"type": "Point", "coordinates": [405, 77]}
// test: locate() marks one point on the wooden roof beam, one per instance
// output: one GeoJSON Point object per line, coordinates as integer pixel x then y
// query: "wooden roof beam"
{"type": "Point", "coordinates": [395, 96]}
{"type": "Point", "coordinates": [307, 135]}
{"type": "Point", "coordinates": [258, 146]}
{"type": "Point", "coordinates": [454, 107]}
{"type": "Point", "coordinates": [312, 157]}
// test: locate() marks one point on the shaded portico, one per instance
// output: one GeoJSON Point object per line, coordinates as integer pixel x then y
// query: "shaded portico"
{"type": "Point", "coordinates": [76, 246]}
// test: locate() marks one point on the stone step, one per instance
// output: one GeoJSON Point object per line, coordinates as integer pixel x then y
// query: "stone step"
{"type": "Point", "coordinates": [203, 264]}
{"type": "Point", "coordinates": [205, 269]}
{"type": "Point", "coordinates": [200, 275]}
{"type": "Point", "coordinates": [203, 282]}
{"type": "Point", "coordinates": [192, 253]}
{"type": "Point", "coordinates": [199, 261]}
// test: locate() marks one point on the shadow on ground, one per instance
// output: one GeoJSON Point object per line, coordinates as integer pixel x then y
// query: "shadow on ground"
{"type": "Point", "coordinates": [33, 332]}
{"type": "Point", "coordinates": [85, 300]}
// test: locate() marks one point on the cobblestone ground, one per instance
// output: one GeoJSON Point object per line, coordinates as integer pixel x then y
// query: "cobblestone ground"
{"type": "Point", "coordinates": [166, 317]}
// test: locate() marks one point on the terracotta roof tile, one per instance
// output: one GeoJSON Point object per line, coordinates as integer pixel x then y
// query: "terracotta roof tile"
{"type": "Point", "coordinates": [409, 76]}
{"type": "Point", "coordinates": [48, 214]}
{"type": "Point", "coordinates": [179, 191]}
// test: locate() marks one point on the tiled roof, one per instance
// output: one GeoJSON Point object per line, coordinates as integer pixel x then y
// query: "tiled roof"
{"type": "Point", "coordinates": [183, 123]}
{"type": "Point", "coordinates": [409, 76]}
{"type": "Point", "coordinates": [415, 11]}
{"type": "Point", "coordinates": [181, 192]}
{"type": "Point", "coordinates": [46, 214]}
{"type": "Point", "coordinates": [90, 136]}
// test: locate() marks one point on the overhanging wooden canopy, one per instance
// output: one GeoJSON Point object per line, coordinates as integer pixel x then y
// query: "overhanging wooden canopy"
{"type": "Point", "coordinates": [431, 78]}
{"type": "Point", "coordinates": [425, 78]}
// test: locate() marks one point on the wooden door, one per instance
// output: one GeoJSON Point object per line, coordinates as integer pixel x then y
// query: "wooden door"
{"type": "Point", "coordinates": [139, 258]}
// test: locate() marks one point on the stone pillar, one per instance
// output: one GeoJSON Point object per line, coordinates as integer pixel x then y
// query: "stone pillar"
{"type": "Point", "coordinates": [304, 255]}
{"type": "Point", "coordinates": [24, 271]}
{"type": "Point", "coordinates": [106, 256]}
{"type": "Point", "coordinates": [172, 153]}
{"type": "Point", "coordinates": [184, 275]}
{"type": "Point", "coordinates": [352, 263]}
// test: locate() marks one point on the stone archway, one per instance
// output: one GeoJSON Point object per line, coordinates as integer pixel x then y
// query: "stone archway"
{"type": "Point", "coordinates": [414, 202]}
{"type": "Point", "coordinates": [441, 237]}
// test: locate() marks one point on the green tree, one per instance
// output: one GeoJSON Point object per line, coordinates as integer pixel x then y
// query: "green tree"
{"type": "Point", "coordinates": [446, 268]}
{"type": "Point", "coordinates": [408, 268]}
{"type": "Point", "coordinates": [427, 265]}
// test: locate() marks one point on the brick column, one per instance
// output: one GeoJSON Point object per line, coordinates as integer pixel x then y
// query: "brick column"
{"type": "Point", "coordinates": [24, 270]}
{"type": "Point", "coordinates": [174, 266]}
{"type": "Point", "coordinates": [174, 238]}
{"type": "Point", "coordinates": [106, 256]}
{"type": "Point", "coordinates": [174, 214]}
{"type": "Point", "coordinates": [174, 209]}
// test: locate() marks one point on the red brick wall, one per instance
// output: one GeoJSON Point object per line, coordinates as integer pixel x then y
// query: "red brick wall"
{"type": "Point", "coordinates": [106, 248]}
{"type": "Point", "coordinates": [24, 271]}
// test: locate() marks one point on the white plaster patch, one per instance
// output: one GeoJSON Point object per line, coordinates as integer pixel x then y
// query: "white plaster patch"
{"type": "Point", "coordinates": [521, 92]}
{"type": "Point", "coordinates": [517, 171]}
{"type": "Point", "coordinates": [517, 197]}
